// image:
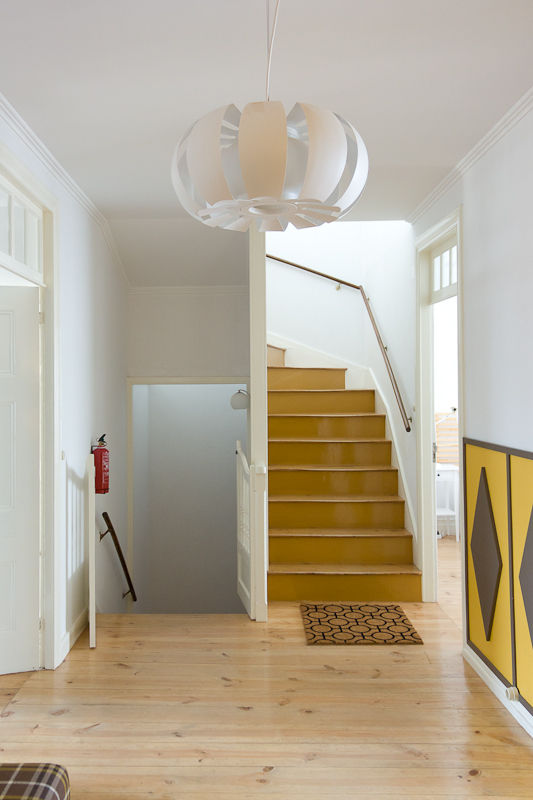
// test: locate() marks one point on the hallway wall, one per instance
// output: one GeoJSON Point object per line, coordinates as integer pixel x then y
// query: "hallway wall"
{"type": "Point", "coordinates": [185, 525]}
{"type": "Point", "coordinates": [190, 331]}
{"type": "Point", "coordinates": [495, 195]}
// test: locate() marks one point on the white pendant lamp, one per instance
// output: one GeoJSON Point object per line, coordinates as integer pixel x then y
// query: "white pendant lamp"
{"type": "Point", "coordinates": [264, 167]}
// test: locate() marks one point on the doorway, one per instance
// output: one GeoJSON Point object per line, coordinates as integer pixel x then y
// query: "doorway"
{"type": "Point", "coordinates": [439, 422]}
{"type": "Point", "coordinates": [446, 454]}
{"type": "Point", "coordinates": [183, 546]}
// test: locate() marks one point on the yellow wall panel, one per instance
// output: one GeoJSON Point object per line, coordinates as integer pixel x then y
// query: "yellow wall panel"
{"type": "Point", "coordinates": [521, 506]}
{"type": "Point", "coordinates": [498, 650]}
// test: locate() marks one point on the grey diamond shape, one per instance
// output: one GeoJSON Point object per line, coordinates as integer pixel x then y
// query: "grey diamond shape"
{"type": "Point", "coordinates": [526, 576]}
{"type": "Point", "coordinates": [486, 553]}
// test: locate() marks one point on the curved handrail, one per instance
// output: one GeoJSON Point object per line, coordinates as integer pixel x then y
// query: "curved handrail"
{"type": "Point", "coordinates": [118, 548]}
{"type": "Point", "coordinates": [406, 420]}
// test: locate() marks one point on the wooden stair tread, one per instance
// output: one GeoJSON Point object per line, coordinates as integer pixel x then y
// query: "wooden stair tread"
{"type": "Point", "coordinates": [275, 347]}
{"type": "Point", "coordinates": [338, 533]}
{"type": "Point", "coordinates": [344, 569]}
{"type": "Point", "coordinates": [331, 468]}
{"type": "Point", "coordinates": [327, 415]}
{"type": "Point", "coordinates": [313, 369]}
{"type": "Point", "coordinates": [333, 498]}
{"type": "Point", "coordinates": [330, 439]}
{"type": "Point", "coordinates": [319, 391]}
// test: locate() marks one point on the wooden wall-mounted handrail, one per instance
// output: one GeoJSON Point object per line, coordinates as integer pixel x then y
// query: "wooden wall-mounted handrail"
{"type": "Point", "coordinates": [395, 388]}
{"type": "Point", "coordinates": [118, 548]}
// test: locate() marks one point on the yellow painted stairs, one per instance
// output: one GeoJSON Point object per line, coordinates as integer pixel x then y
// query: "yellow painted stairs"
{"type": "Point", "coordinates": [336, 522]}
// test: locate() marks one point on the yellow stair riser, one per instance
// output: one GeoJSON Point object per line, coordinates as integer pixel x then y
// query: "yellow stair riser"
{"type": "Point", "coordinates": [301, 378]}
{"type": "Point", "coordinates": [321, 402]}
{"type": "Point", "coordinates": [304, 514]}
{"type": "Point", "coordinates": [396, 587]}
{"type": "Point", "coordinates": [323, 427]}
{"type": "Point", "coordinates": [334, 482]}
{"type": "Point", "coordinates": [340, 550]}
{"type": "Point", "coordinates": [330, 453]}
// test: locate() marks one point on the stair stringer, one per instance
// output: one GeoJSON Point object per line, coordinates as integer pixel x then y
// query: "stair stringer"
{"type": "Point", "coordinates": [298, 354]}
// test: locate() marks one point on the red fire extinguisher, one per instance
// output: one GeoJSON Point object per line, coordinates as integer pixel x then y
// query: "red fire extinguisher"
{"type": "Point", "coordinates": [101, 465]}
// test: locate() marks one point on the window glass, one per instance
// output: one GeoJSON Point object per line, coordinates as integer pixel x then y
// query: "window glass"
{"type": "Point", "coordinates": [18, 229]}
{"type": "Point", "coordinates": [436, 274]}
{"type": "Point", "coordinates": [31, 246]}
{"type": "Point", "coordinates": [445, 269]}
{"type": "Point", "coordinates": [4, 221]}
{"type": "Point", "coordinates": [453, 267]}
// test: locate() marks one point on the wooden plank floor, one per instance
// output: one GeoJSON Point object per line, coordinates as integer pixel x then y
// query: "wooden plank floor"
{"type": "Point", "coordinates": [218, 707]}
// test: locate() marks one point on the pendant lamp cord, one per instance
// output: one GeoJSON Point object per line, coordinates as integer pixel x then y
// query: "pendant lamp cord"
{"type": "Point", "coordinates": [270, 43]}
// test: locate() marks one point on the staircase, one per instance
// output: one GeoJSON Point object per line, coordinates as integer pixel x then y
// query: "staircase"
{"type": "Point", "coordinates": [336, 520]}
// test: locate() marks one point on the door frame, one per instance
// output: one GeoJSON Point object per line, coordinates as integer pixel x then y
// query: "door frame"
{"type": "Point", "coordinates": [427, 540]}
{"type": "Point", "coordinates": [51, 459]}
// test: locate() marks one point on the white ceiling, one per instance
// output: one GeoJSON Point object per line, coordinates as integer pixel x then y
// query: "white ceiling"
{"type": "Point", "coordinates": [110, 85]}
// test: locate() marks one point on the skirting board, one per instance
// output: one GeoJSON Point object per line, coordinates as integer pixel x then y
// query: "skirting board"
{"type": "Point", "coordinates": [522, 716]}
{"type": "Point", "coordinates": [69, 639]}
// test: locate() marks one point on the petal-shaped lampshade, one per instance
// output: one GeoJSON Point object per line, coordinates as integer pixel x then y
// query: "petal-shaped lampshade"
{"type": "Point", "coordinates": [264, 167]}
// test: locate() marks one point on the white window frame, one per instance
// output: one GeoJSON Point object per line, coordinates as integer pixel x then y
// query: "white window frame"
{"type": "Point", "coordinates": [7, 259]}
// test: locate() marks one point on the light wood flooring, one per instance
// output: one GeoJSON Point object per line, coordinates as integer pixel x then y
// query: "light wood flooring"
{"type": "Point", "coordinates": [219, 707]}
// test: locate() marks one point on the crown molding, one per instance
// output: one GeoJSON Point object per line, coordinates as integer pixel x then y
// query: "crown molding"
{"type": "Point", "coordinates": [494, 135]}
{"type": "Point", "coordinates": [23, 131]}
{"type": "Point", "coordinates": [178, 291]}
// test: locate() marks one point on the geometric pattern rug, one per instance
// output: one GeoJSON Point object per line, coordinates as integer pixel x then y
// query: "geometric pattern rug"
{"type": "Point", "coordinates": [357, 623]}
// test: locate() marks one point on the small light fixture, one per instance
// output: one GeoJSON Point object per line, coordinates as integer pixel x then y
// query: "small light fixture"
{"type": "Point", "coordinates": [240, 400]}
{"type": "Point", "coordinates": [266, 168]}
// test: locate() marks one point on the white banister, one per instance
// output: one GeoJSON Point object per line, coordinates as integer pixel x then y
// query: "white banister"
{"type": "Point", "coordinates": [245, 543]}
{"type": "Point", "coordinates": [91, 536]}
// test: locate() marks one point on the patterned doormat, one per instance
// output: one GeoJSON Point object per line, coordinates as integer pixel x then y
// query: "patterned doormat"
{"type": "Point", "coordinates": [357, 623]}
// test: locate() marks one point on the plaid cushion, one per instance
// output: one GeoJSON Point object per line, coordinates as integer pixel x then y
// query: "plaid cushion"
{"type": "Point", "coordinates": [35, 781]}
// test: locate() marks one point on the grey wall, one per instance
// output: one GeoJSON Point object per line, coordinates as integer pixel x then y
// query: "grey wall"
{"type": "Point", "coordinates": [185, 499]}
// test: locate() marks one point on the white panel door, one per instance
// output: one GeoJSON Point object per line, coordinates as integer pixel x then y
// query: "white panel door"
{"type": "Point", "coordinates": [19, 479]}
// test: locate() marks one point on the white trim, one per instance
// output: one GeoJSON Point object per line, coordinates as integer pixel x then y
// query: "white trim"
{"type": "Point", "coordinates": [69, 639]}
{"type": "Point", "coordinates": [427, 542]}
{"type": "Point", "coordinates": [494, 135]}
{"type": "Point", "coordinates": [132, 380]}
{"type": "Point", "coordinates": [258, 421]}
{"type": "Point", "coordinates": [91, 541]}
{"type": "Point", "coordinates": [23, 132]}
{"type": "Point", "coordinates": [521, 714]}
{"type": "Point", "coordinates": [158, 291]}
{"type": "Point", "coordinates": [358, 377]}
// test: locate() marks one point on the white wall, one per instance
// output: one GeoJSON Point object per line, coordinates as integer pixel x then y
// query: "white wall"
{"type": "Point", "coordinates": [92, 367]}
{"type": "Point", "coordinates": [189, 331]}
{"type": "Point", "coordinates": [495, 194]}
{"type": "Point", "coordinates": [309, 310]}
{"type": "Point", "coordinates": [184, 543]}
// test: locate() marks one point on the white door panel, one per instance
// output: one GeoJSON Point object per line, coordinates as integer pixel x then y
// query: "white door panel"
{"type": "Point", "coordinates": [19, 479]}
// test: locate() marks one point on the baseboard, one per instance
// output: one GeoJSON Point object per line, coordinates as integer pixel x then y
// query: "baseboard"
{"type": "Point", "coordinates": [69, 639]}
{"type": "Point", "coordinates": [521, 714]}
